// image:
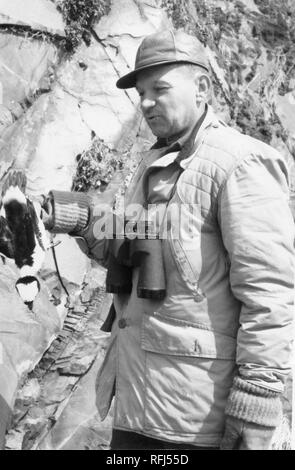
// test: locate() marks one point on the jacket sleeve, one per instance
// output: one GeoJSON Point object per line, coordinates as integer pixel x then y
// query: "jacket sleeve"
{"type": "Point", "coordinates": [89, 217]}
{"type": "Point", "coordinates": [84, 217]}
{"type": "Point", "coordinates": [258, 234]}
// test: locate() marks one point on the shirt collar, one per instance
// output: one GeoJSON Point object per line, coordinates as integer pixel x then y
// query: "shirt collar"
{"type": "Point", "coordinates": [187, 141]}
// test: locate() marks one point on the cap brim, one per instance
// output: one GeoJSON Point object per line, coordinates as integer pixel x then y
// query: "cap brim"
{"type": "Point", "coordinates": [129, 80]}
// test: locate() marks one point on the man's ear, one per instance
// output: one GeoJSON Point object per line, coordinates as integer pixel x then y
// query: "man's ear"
{"type": "Point", "coordinates": [203, 87]}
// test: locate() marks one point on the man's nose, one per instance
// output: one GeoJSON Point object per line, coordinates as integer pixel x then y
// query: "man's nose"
{"type": "Point", "coordinates": [147, 102]}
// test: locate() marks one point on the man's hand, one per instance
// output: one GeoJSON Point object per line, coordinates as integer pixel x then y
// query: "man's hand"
{"type": "Point", "coordinates": [241, 435]}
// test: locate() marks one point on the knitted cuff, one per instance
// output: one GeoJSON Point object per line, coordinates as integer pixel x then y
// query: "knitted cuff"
{"type": "Point", "coordinates": [254, 404]}
{"type": "Point", "coordinates": [70, 211]}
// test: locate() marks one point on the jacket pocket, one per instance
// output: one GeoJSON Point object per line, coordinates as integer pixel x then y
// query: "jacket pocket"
{"type": "Point", "coordinates": [186, 269]}
{"type": "Point", "coordinates": [184, 265]}
{"type": "Point", "coordinates": [173, 337]}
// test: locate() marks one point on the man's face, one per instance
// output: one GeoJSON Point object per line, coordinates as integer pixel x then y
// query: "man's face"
{"type": "Point", "coordinates": [168, 100]}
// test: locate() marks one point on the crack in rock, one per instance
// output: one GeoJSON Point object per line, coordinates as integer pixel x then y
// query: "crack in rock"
{"type": "Point", "coordinates": [8, 69]}
{"type": "Point", "coordinates": [100, 41]}
{"type": "Point", "coordinates": [25, 31]}
{"type": "Point", "coordinates": [78, 97]}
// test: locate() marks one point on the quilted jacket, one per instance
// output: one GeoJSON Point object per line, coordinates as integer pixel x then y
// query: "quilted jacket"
{"type": "Point", "coordinates": [220, 341]}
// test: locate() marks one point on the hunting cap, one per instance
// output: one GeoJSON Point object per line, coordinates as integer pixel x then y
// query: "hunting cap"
{"type": "Point", "coordinates": [165, 47]}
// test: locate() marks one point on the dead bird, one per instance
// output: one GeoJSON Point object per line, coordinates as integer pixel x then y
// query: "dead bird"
{"type": "Point", "coordinates": [22, 235]}
{"type": "Point", "coordinates": [6, 240]}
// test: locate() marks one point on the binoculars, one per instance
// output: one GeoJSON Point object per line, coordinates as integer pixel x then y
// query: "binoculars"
{"type": "Point", "coordinates": [145, 252]}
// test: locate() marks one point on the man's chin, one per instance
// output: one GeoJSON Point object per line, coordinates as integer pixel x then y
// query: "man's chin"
{"type": "Point", "coordinates": [158, 132]}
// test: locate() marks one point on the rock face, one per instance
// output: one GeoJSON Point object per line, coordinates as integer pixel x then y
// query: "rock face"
{"type": "Point", "coordinates": [23, 65]}
{"type": "Point", "coordinates": [37, 14]}
{"type": "Point", "coordinates": [24, 336]}
{"type": "Point", "coordinates": [55, 106]}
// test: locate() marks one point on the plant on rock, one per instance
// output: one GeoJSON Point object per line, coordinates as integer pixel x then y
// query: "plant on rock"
{"type": "Point", "coordinates": [79, 17]}
{"type": "Point", "coordinates": [97, 165]}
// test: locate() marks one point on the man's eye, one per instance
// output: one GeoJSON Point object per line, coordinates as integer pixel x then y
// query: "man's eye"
{"type": "Point", "coordinates": [160, 88]}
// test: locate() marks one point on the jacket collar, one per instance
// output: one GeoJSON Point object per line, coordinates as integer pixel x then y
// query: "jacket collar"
{"type": "Point", "coordinates": [211, 120]}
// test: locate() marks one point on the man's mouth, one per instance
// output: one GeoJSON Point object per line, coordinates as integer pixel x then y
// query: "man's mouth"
{"type": "Point", "coordinates": [151, 118]}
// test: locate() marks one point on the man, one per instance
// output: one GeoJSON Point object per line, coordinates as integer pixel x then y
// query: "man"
{"type": "Point", "coordinates": [198, 358]}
